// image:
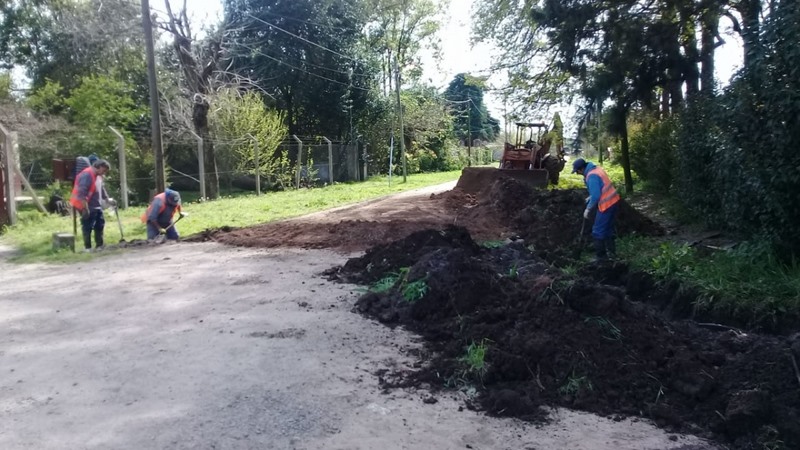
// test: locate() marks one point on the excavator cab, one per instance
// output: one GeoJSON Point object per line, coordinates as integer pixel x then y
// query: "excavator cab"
{"type": "Point", "coordinates": [523, 160]}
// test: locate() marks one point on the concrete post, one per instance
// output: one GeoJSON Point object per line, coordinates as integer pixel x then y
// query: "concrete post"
{"type": "Point", "coordinates": [256, 151]}
{"type": "Point", "coordinates": [8, 160]}
{"type": "Point", "coordinates": [366, 147]}
{"type": "Point", "coordinates": [299, 159]}
{"type": "Point", "coordinates": [330, 159]}
{"type": "Point", "coordinates": [123, 172]}
{"type": "Point", "coordinates": [201, 166]}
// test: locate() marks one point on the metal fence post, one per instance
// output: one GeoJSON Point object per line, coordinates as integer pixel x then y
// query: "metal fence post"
{"type": "Point", "coordinates": [123, 172]}
{"type": "Point", "coordinates": [201, 165]}
{"type": "Point", "coordinates": [299, 159]}
{"type": "Point", "coordinates": [366, 152]}
{"type": "Point", "coordinates": [257, 163]}
{"type": "Point", "coordinates": [8, 160]}
{"type": "Point", "coordinates": [330, 159]}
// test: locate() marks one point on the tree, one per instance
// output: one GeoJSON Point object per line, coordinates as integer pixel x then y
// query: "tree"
{"type": "Point", "coordinates": [236, 117]}
{"type": "Point", "coordinates": [398, 30]}
{"type": "Point", "coordinates": [472, 119]}
{"type": "Point", "coordinates": [200, 78]}
{"type": "Point", "coordinates": [65, 40]}
{"type": "Point", "coordinates": [304, 55]}
{"type": "Point", "coordinates": [428, 129]}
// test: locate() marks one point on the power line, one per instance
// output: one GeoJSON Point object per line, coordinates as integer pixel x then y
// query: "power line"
{"type": "Point", "coordinates": [350, 85]}
{"type": "Point", "coordinates": [350, 73]}
{"type": "Point", "coordinates": [300, 37]}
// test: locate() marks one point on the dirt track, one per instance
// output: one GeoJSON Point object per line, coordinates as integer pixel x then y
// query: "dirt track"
{"type": "Point", "coordinates": [358, 227]}
{"type": "Point", "coordinates": [206, 346]}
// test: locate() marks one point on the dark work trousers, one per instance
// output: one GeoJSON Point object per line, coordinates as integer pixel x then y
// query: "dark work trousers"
{"type": "Point", "coordinates": [604, 223]}
{"type": "Point", "coordinates": [95, 222]}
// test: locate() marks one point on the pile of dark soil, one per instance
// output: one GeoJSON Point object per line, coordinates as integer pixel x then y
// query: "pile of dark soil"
{"type": "Point", "coordinates": [542, 337]}
{"type": "Point", "coordinates": [550, 220]}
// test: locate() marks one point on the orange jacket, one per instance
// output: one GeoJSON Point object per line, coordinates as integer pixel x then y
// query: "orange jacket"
{"type": "Point", "coordinates": [608, 195]}
{"type": "Point", "coordinates": [161, 201]}
{"type": "Point", "coordinates": [77, 199]}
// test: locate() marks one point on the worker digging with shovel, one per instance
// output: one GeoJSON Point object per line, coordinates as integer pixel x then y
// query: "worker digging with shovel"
{"type": "Point", "coordinates": [604, 197]}
{"type": "Point", "coordinates": [159, 215]}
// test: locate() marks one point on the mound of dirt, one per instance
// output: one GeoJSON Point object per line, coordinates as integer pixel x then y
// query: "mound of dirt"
{"type": "Point", "coordinates": [524, 334]}
{"type": "Point", "coordinates": [550, 220]}
{"type": "Point", "coordinates": [378, 261]}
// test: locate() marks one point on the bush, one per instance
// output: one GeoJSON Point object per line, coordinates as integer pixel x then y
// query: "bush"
{"type": "Point", "coordinates": [653, 153]}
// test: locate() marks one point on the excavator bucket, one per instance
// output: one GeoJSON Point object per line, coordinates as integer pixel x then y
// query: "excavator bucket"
{"type": "Point", "coordinates": [475, 179]}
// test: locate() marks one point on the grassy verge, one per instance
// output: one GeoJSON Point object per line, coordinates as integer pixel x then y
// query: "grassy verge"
{"type": "Point", "coordinates": [747, 283]}
{"type": "Point", "coordinates": [33, 233]}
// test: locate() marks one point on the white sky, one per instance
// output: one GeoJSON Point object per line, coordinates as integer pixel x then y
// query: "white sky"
{"type": "Point", "coordinates": [458, 56]}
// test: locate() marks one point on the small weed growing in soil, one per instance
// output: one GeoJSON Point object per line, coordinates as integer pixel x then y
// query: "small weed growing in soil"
{"type": "Point", "coordinates": [513, 272]}
{"type": "Point", "coordinates": [415, 291]}
{"type": "Point", "coordinates": [575, 385]}
{"type": "Point", "coordinates": [475, 358]}
{"type": "Point", "coordinates": [493, 244]}
{"type": "Point", "coordinates": [570, 270]}
{"type": "Point", "coordinates": [385, 283]}
{"type": "Point", "coordinates": [612, 333]}
{"type": "Point", "coordinates": [768, 439]}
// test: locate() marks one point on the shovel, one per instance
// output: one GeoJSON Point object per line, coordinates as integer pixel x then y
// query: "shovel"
{"type": "Point", "coordinates": [579, 249]}
{"type": "Point", "coordinates": [119, 222]}
{"type": "Point", "coordinates": [161, 237]}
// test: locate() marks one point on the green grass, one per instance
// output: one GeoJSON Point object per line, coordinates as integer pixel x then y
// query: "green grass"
{"type": "Point", "coordinates": [475, 358]}
{"type": "Point", "coordinates": [414, 291]}
{"type": "Point", "coordinates": [748, 282]}
{"type": "Point", "coordinates": [615, 173]}
{"type": "Point", "coordinates": [32, 235]}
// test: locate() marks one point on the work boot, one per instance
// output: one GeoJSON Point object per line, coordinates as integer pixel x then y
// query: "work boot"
{"type": "Point", "coordinates": [600, 250]}
{"type": "Point", "coordinates": [611, 248]}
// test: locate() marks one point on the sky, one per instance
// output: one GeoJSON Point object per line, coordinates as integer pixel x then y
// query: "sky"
{"type": "Point", "coordinates": [458, 56]}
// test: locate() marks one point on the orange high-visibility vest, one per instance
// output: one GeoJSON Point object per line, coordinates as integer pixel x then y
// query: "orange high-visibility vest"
{"type": "Point", "coordinates": [78, 202]}
{"type": "Point", "coordinates": [163, 197]}
{"type": "Point", "coordinates": [608, 196]}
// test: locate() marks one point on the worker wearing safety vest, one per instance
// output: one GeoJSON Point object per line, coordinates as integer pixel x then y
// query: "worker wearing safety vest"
{"type": "Point", "coordinates": [160, 213]}
{"type": "Point", "coordinates": [86, 200]}
{"type": "Point", "coordinates": [604, 197]}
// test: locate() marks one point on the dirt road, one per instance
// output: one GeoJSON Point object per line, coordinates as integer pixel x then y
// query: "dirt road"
{"type": "Point", "coordinates": [204, 346]}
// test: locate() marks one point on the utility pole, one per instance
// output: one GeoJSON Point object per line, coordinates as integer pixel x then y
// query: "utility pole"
{"type": "Point", "coordinates": [400, 117]}
{"type": "Point", "coordinates": [505, 117]}
{"type": "Point", "coordinates": [469, 132]}
{"type": "Point", "coordinates": [158, 151]}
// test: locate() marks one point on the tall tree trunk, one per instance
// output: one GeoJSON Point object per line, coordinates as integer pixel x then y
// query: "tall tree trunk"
{"type": "Point", "coordinates": [675, 92]}
{"type": "Point", "coordinates": [625, 157]}
{"type": "Point", "coordinates": [751, 26]}
{"type": "Point", "coordinates": [710, 24]}
{"type": "Point", "coordinates": [619, 126]}
{"type": "Point", "coordinates": [672, 98]}
{"type": "Point", "coordinates": [198, 80]}
{"type": "Point", "coordinates": [664, 103]}
{"type": "Point", "coordinates": [691, 74]}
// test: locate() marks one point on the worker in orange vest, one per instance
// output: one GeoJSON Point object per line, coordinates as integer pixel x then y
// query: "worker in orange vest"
{"type": "Point", "coordinates": [87, 200]}
{"type": "Point", "coordinates": [160, 213]}
{"type": "Point", "coordinates": [604, 197]}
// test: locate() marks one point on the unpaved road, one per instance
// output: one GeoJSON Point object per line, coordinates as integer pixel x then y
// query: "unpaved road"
{"type": "Point", "coordinates": [202, 346]}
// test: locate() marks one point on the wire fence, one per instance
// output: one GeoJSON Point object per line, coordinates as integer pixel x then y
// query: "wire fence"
{"type": "Point", "coordinates": [46, 159]}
